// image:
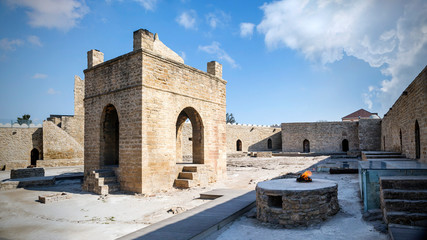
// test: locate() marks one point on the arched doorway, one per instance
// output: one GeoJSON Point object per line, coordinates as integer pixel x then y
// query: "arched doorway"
{"type": "Point", "coordinates": [417, 141]}
{"type": "Point", "coordinates": [306, 146]}
{"type": "Point", "coordinates": [197, 134]}
{"type": "Point", "coordinates": [345, 147]}
{"type": "Point", "coordinates": [35, 155]}
{"type": "Point", "coordinates": [238, 145]}
{"type": "Point", "coordinates": [110, 136]}
{"type": "Point", "coordinates": [269, 144]}
{"type": "Point", "coordinates": [400, 136]}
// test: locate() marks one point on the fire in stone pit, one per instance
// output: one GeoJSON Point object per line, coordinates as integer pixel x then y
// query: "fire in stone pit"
{"type": "Point", "coordinates": [305, 177]}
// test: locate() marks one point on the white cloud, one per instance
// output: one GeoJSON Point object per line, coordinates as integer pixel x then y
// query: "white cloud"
{"type": "Point", "coordinates": [39, 76]}
{"type": "Point", "coordinates": [217, 18]}
{"type": "Point", "coordinates": [367, 100]}
{"type": "Point", "coordinates": [183, 55]}
{"type": "Point", "coordinates": [59, 14]}
{"type": "Point", "coordinates": [187, 19]}
{"type": "Point", "coordinates": [147, 4]}
{"type": "Point", "coordinates": [52, 91]}
{"type": "Point", "coordinates": [391, 36]}
{"type": "Point", "coordinates": [34, 40]}
{"type": "Point", "coordinates": [10, 45]}
{"type": "Point", "coordinates": [246, 29]}
{"type": "Point", "coordinates": [215, 49]}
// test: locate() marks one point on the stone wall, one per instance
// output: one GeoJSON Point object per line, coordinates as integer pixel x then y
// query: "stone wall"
{"type": "Point", "coordinates": [369, 131]}
{"type": "Point", "coordinates": [400, 120]}
{"type": "Point", "coordinates": [150, 92]}
{"type": "Point", "coordinates": [16, 145]}
{"type": "Point", "coordinates": [57, 144]}
{"type": "Point", "coordinates": [323, 136]}
{"type": "Point", "coordinates": [253, 138]}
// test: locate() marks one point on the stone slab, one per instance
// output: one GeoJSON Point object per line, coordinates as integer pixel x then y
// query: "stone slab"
{"type": "Point", "coordinates": [292, 185]}
{"type": "Point", "coordinates": [199, 222]}
{"type": "Point", "coordinates": [54, 197]}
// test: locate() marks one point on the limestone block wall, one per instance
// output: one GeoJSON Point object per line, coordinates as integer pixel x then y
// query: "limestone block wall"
{"type": "Point", "coordinates": [16, 145]}
{"type": "Point", "coordinates": [58, 144]}
{"type": "Point", "coordinates": [74, 126]}
{"type": "Point", "coordinates": [369, 131]}
{"type": "Point", "coordinates": [149, 90]}
{"type": "Point", "coordinates": [323, 136]}
{"type": "Point", "coordinates": [168, 88]}
{"type": "Point", "coordinates": [253, 138]}
{"type": "Point", "coordinates": [400, 120]}
{"type": "Point", "coordinates": [117, 82]}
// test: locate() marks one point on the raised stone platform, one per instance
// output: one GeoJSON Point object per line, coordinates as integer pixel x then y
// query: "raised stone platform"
{"type": "Point", "coordinates": [294, 204]}
{"type": "Point", "coordinates": [26, 173]}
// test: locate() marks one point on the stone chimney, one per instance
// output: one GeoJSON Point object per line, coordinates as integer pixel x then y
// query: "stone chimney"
{"type": "Point", "coordinates": [144, 39]}
{"type": "Point", "coordinates": [94, 57]}
{"type": "Point", "coordinates": [215, 68]}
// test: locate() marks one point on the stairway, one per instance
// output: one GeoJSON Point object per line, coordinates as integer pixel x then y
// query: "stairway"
{"type": "Point", "coordinates": [103, 182]}
{"type": "Point", "coordinates": [378, 155]}
{"type": "Point", "coordinates": [404, 200]}
{"type": "Point", "coordinates": [187, 178]}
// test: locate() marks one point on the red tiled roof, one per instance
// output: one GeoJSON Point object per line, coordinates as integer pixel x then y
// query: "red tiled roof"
{"type": "Point", "coordinates": [359, 113]}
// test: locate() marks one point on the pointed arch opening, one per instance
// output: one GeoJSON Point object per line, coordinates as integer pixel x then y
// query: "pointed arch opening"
{"type": "Point", "coordinates": [238, 145]}
{"type": "Point", "coordinates": [417, 140]}
{"type": "Point", "coordinates": [197, 137]}
{"type": "Point", "coordinates": [269, 143]}
{"type": "Point", "coordinates": [110, 135]}
{"type": "Point", "coordinates": [35, 155]}
{"type": "Point", "coordinates": [306, 146]}
{"type": "Point", "coordinates": [345, 146]}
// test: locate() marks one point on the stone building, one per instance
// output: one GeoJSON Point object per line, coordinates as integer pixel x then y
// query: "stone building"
{"type": "Point", "coordinates": [404, 126]}
{"type": "Point", "coordinates": [135, 108]}
{"type": "Point", "coordinates": [58, 142]}
{"type": "Point", "coordinates": [331, 137]}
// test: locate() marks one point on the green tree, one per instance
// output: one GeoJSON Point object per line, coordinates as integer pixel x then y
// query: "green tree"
{"type": "Point", "coordinates": [24, 119]}
{"type": "Point", "coordinates": [229, 118]}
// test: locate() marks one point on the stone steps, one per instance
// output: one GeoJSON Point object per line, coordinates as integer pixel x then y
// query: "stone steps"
{"type": "Point", "coordinates": [385, 156]}
{"type": "Point", "coordinates": [403, 205]}
{"type": "Point", "coordinates": [404, 200]}
{"type": "Point", "coordinates": [103, 182]}
{"type": "Point", "coordinates": [404, 194]}
{"type": "Point", "coordinates": [407, 218]}
{"type": "Point", "coordinates": [404, 182]}
{"type": "Point", "coordinates": [187, 175]}
{"type": "Point", "coordinates": [187, 178]}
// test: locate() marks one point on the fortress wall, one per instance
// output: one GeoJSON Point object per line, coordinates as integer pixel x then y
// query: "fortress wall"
{"type": "Point", "coordinates": [323, 136]}
{"type": "Point", "coordinates": [410, 107]}
{"type": "Point", "coordinates": [16, 145]}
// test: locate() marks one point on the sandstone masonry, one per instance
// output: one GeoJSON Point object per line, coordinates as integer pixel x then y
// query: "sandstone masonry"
{"type": "Point", "coordinates": [135, 108]}
{"type": "Point", "coordinates": [401, 122]}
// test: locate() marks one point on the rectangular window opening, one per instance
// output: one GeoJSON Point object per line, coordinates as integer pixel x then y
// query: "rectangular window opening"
{"type": "Point", "coordinates": [275, 201]}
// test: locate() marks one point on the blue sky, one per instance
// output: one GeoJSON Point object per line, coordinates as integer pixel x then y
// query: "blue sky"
{"type": "Point", "coordinates": [285, 61]}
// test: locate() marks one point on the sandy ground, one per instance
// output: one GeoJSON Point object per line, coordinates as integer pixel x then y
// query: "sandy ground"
{"type": "Point", "coordinates": [87, 215]}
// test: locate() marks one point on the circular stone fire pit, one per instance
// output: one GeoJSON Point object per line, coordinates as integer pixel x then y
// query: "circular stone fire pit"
{"type": "Point", "coordinates": [293, 204]}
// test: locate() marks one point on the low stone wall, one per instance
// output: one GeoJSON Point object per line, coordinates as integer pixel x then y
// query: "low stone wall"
{"type": "Point", "coordinates": [60, 162]}
{"type": "Point", "coordinates": [293, 204]}
{"type": "Point", "coordinates": [26, 173]}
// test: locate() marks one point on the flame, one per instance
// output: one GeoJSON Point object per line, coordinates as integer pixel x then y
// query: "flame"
{"type": "Point", "coordinates": [306, 175]}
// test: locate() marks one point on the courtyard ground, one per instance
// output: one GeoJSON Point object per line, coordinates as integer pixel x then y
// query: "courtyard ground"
{"type": "Point", "coordinates": [87, 215]}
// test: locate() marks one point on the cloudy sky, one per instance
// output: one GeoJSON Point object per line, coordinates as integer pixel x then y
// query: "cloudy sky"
{"type": "Point", "coordinates": [285, 61]}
